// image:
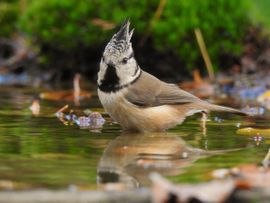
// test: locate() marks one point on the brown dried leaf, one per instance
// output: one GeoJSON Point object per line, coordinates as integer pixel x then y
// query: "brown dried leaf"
{"type": "Point", "coordinates": [214, 191]}
{"type": "Point", "coordinates": [11, 185]}
{"type": "Point", "coordinates": [254, 175]}
{"type": "Point", "coordinates": [105, 25]}
{"type": "Point", "coordinates": [67, 95]}
{"type": "Point", "coordinates": [198, 87]}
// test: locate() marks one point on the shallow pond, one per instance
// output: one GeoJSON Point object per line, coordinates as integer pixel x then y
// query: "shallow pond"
{"type": "Point", "coordinates": [42, 152]}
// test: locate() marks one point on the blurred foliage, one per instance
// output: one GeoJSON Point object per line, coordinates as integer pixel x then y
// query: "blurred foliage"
{"type": "Point", "coordinates": [8, 16]}
{"type": "Point", "coordinates": [68, 24]}
{"type": "Point", "coordinates": [60, 23]}
{"type": "Point", "coordinates": [223, 24]}
{"type": "Point", "coordinates": [260, 13]}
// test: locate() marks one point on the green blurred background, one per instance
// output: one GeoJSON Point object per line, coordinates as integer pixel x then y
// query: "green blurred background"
{"type": "Point", "coordinates": [69, 35]}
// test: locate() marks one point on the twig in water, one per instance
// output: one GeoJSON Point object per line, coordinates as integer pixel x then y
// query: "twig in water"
{"type": "Point", "coordinates": [61, 116]}
{"type": "Point", "coordinates": [35, 107]}
{"type": "Point", "coordinates": [266, 160]}
{"type": "Point", "coordinates": [62, 109]}
{"type": "Point", "coordinates": [197, 77]}
{"type": "Point", "coordinates": [77, 89]}
{"type": "Point", "coordinates": [203, 123]}
{"type": "Point", "coordinates": [205, 54]}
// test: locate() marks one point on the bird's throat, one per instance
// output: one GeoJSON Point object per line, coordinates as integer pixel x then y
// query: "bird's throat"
{"type": "Point", "coordinates": [110, 83]}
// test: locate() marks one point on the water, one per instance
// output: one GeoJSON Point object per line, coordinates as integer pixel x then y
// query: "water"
{"type": "Point", "coordinates": [42, 152]}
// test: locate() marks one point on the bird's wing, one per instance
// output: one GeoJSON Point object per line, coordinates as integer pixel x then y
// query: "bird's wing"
{"type": "Point", "coordinates": [150, 91]}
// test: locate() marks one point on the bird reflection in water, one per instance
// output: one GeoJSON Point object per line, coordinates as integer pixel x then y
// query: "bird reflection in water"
{"type": "Point", "coordinates": [130, 158]}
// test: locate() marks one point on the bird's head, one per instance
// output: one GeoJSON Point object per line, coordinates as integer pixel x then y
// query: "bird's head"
{"type": "Point", "coordinates": [118, 66]}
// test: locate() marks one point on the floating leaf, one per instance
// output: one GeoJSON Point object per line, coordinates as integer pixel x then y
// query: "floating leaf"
{"type": "Point", "coordinates": [264, 99]}
{"type": "Point", "coordinates": [265, 95]}
{"type": "Point", "coordinates": [87, 112]}
{"type": "Point", "coordinates": [11, 185]}
{"type": "Point", "coordinates": [249, 175]}
{"type": "Point", "coordinates": [253, 131]}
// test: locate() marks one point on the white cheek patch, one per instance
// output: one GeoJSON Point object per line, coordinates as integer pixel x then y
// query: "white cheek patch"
{"type": "Point", "coordinates": [101, 74]}
{"type": "Point", "coordinates": [126, 73]}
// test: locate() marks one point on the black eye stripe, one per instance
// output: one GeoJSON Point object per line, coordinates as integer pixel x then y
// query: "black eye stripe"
{"type": "Point", "coordinates": [131, 55]}
{"type": "Point", "coordinates": [124, 60]}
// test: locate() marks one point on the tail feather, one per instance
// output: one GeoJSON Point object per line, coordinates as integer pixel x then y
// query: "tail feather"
{"type": "Point", "coordinates": [214, 107]}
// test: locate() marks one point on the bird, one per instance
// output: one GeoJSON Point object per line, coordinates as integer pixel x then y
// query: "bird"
{"type": "Point", "coordinates": [137, 100]}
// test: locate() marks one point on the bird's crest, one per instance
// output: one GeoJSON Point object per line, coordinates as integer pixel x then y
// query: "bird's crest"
{"type": "Point", "coordinates": [121, 40]}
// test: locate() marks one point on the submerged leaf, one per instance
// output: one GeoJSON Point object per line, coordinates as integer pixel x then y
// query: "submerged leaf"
{"type": "Point", "coordinates": [264, 99]}
{"type": "Point", "coordinates": [67, 95]}
{"type": "Point", "coordinates": [35, 107]}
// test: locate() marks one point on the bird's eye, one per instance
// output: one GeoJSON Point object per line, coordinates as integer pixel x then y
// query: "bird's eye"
{"type": "Point", "coordinates": [124, 60]}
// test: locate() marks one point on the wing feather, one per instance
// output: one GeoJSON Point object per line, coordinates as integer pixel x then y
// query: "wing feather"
{"type": "Point", "coordinates": [150, 91]}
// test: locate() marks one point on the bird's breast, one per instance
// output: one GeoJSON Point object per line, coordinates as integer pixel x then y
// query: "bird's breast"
{"type": "Point", "coordinates": [132, 117]}
{"type": "Point", "coordinates": [110, 100]}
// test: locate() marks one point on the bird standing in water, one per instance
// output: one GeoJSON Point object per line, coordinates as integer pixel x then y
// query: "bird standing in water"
{"type": "Point", "coordinates": [137, 100]}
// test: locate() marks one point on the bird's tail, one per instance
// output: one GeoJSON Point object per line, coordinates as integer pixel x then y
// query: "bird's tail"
{"type": "Point", "coordinates": [214, 107]}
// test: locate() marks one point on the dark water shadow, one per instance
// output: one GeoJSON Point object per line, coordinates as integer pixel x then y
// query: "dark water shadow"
{"type": "Point", "coordinates": [130, 158]}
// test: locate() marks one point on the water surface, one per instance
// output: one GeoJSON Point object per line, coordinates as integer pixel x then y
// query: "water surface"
{"type": "Point", "coordinates": [42, 152]}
